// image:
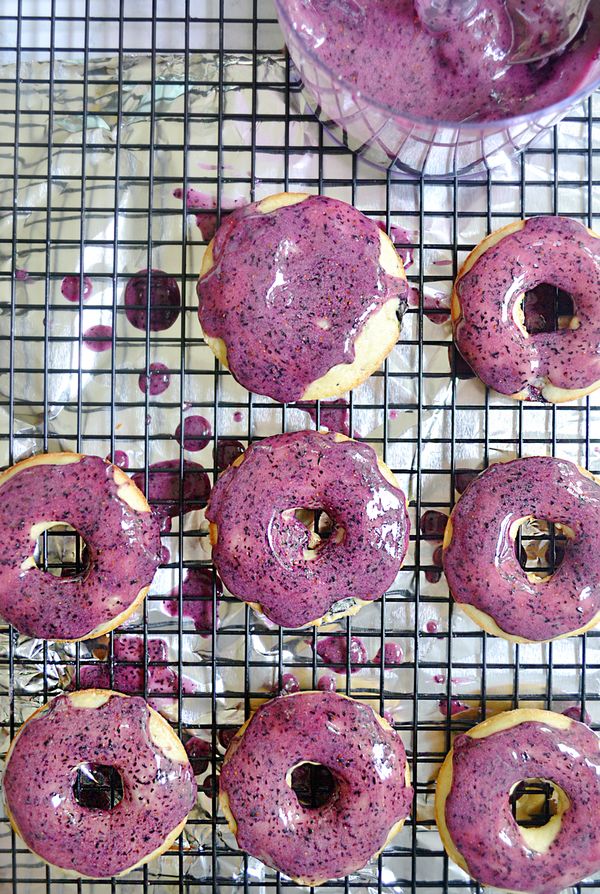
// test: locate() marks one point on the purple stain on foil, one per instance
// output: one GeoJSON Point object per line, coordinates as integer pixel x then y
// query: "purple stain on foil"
{"type": "Point", "coordinates": [432, 626]}
{"type": "Point", "coordinates": [451, 707]}
{"type": "Point", "coordinates": [119, 458]}
{"type": "Point", "coordinates": [129, 678]}
{"type": "Point", "coordinates": [458, 365]}
{"type": "Point", "coordinates": [439, 678]}
{"type": "Point", "coordinates": [195, 200]}
{"type": "Point", "coordinates": [197, 599]}
{"type": "Point", "coordinates": [327, 683]}
{"type": "Point", "coordinates": [225, 736]}
{"type": "Point", "coordinates": [199, 753]}
{"type": "Point", "coordinates": [193, 433]}
{"type": "Point", "coordinates": [157, 380]}
{"type": "Point", "coordinates": [98, 338]}
{"type": "Point", "coordinates": [433, 524]}
{"type": "Point", "coordinates": [334, 415]}
{"type": "Point", "coordinates": [433, 575]}
{"type": "Point", "coordinates": [237, 416]}
{"type": "Point", "coordinates": [210, 786]}
{"type": "Point", "coordinates": [70, 288]}
{"type": "Point", "coordinates": [165, 555]}
{"type": "Point", "coordinates": [574, 712]}
{"type": "Point", "coordinates": [289, 684]}
{"type": "Point", "coordinates": [168, 493]}
{"type": "Point", "coordinates": [393, 655]}
{"type": "Point", "coordinates": [436, 305]}
{"type": "Point", "coordinates": [165, 301]}
{"type": "Point", "coordinates": [21, 275]}
{"type": "Point", "coordinates": [463, 478]}
{"type": "Point", "coordinates": [333, 651]}
{"type": "Point", "coordinates": [226, 452]}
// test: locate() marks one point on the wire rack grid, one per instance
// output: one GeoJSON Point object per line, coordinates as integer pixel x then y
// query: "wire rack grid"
{"type": "Point", "coordinates": [127, 129]}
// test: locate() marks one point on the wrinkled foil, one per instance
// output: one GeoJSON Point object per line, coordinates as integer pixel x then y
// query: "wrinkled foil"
{"type": "Point", "coordinates": [60, 387]}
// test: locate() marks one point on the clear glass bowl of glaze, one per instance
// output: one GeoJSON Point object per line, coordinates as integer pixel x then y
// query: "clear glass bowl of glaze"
{"type": "Point", "coordinates": [392, 139]}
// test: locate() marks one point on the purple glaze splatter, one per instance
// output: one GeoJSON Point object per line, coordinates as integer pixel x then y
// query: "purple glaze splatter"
{"type": "Point", "coordinates": [227, 451]}
{"type": "Point", "coordinates": [333, 652]}
{"type": "Point", "coordinates": [334, 415]}
{"type": "Point", "coordinates": [393, 655]}
{"type": "Point", "coordinates": [203, 202]}
{"type": "Point", "coordinates": [436, 305]}
{"type": "Point", "coordinates": [199, 753]}
{"type": "Point", "coordinates": [98, 338]}
{"type": "Point", "coordinates": [70, 288]}
{"type": "Point", "coordinates": [195, 435]}
{"type": "Point", "coordinates": [157, 381]}
{"type": "Point", "coordinates": [237, 416]}
{"type": "Point", "coordinates": [289, 684]}
{"type": "Point", "coordinates": [309, 470]}
{"type": "Point", "coordinates": [480, 562]}
{"type": "Point", "coordinates": [400, 237]}
{"type": "Point", "coordinates": [431, 626]}
{"type": "Point", "coordinates": [433, 575]}
{"type": "Point", "coordinates": [279, 272]}
{"type": "Point", "coordinates": [197, 596]}
{"type": "Point", "coordinates": [452, 707]}
{"type": "Point", "coordinates": [120, 459]}
{"type": "Point", "coordinates": [530, 750]}
{"type": "Point", "coordinates": [371, 792]}
{"type": "Point", "coordinates": [123, 546]}
{"type": "Point", "coordinates": [574, 712]}
{"type": "Point", "coordinates": [433, 524]}
{"type": "Point", "coordinates": [327, 683]}
{"type": "Point", "coordinates": [158, 792]}
{"type": "Point", "coordinates": [463, 478]}
{"type": "Point", "coordinates": [165, 301]}
{"type": "Point", "coordinates": [168, 493]}
{"type": "Point", "coordinates": [21, 275]}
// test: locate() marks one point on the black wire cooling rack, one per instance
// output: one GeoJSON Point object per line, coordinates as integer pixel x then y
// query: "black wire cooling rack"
{"type": "Point", "coordinates": [109, 113]}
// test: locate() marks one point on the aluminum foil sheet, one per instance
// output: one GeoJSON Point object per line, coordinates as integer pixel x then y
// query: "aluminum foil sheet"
{"type": "Point", "coordinates": [134, 217]}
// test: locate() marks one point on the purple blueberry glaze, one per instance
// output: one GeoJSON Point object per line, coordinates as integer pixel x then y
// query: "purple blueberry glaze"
{"type": "Point", "coordinates": [194, 433]}
{"type": "Point", "coordinates": [291, 290]}
{"type": "Point", "coordinates": [289, 684]}
{"type": "Point", "coordinates": [368, 764]}
{"type": "Point", "coordinates": [226, 452]}
{"type": "Point", "coordinates": [157, 381]}
{"type": "Point", "coordinates": [333, 414]}
{"type": "Point", "coordinates": [327, 683]}
{"type": "Point", "coordinates": [204, 203]}
{"type": "Point", "coordinates": [165, 301]}
{"type": "Point", "coordinates": [480, 562]}
{"type": "Point", "coordinates": [199, 753]}
{"type": "Point", "coordinates": [21, 275]}
{"type": "Point", "coordinates": [433, 524]}
{"type": "Point", "coordinates": [553, 250]}
{"type": "Point", "coordinates": [197, 596]}
{"type": "Point", "coordinates": [260, 551]}
{"type": "Point", "coordinates": [123, 547]}
{"type": "Point", "coordinates": [70, 288]}
{"type": "Point", "coordinates": [333, 652]}
{"type": "Point", "coordinates": [168, 493]}
{"type": "Point", "coordinates": [491, 841]}
{"type": "Point", "coordinates": [98, 338]}
{"type": "Point", "coordinates": [393, 655]}
{"type": "Point", "coordinates": [451, 707]}
{"type": "Point", "coordinates": [158, 792]}
{"type": "Point", "coordinates": [463, 74]}
{"type": "Point", "coordinates": [121, 459]}
{"type": "Point", "coordinates": [128, 671]}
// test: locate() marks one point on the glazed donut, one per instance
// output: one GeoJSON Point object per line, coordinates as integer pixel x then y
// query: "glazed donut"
{"type": "Point", "coordinates": [263, 551]}
{"type": "Point", "coordinates": [473, 811]}
{"type": "Point", "coordinates": [480, 561]}
{"type": "Point", "coordinates": [367, 808]}
{"type": "Point", "coordinates": [122, 535]}
{"type": "Point", "coordinates": [489, 321]}
{"type": "Point", "coordinates": [299, 296]}
{"type": "Point", "coordinates": [97, 727]}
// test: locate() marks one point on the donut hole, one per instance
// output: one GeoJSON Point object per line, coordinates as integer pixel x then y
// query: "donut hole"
{"type": "Point", "coordinates": [540, 547]}
{"type": "Point", "coordinates": [535, 802]}
{"type": "Point", "coordinates": [320, 526]}
{"type": "Point", "coordinates": [60, 550]}
{"type": "Point", "coordinates": [313, 784]}
{"type": "Point", "coordinates": [97, 786]}
{"type": "Point", "coordinates": [546, 308]}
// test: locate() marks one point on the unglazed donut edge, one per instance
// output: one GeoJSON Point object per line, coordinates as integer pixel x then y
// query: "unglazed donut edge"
{"type": "Point", "coordinates": [162, 736]}
{"type": "Point", "coordinates": [497, 723]}
{"type": "Point", "coordinates": [372, 345]}
{"type": "Point", "coordinates": [330, 617]}
{"type": "Point", "coordinates": [127, 491]}
{"type": "Point", "coordinates": [551, 393]}
{"type": "Point", "coordinates": [224, 799]}
{"type": "Point", "coordinates": [483, 619]}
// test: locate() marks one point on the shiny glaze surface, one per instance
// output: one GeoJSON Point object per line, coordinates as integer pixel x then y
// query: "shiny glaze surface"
{"type": "Point", "coordinates": [553, 250]}
{"type": "Point", "coordinates": [490, 839]}
{"type": "Point", "coordinates": [480, 562]}
{"type": "Point", "coordinates": [290, 291]}
{"type": "Point", "coordinates": [158, 792]}
{"type": "Point", "coordinates": [367, 762]}
{"type": "Point", "coordinates": [462, 75]}
{"type": "Point", "coordinates": [123, 549]}
{"type": "Point", "coordinates": [260, 548]}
